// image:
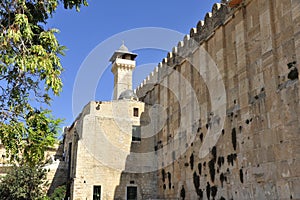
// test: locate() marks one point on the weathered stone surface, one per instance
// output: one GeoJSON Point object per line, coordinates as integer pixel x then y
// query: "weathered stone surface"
{"type": "Point", "coordinates": [255, 50]}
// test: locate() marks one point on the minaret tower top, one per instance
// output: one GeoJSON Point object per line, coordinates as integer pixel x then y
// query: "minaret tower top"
{"type": "Point", "coordinates": [123, 64]}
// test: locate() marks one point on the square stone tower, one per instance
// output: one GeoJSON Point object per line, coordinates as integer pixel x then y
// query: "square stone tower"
{"type": "Point", "coordinates": [123, 64]}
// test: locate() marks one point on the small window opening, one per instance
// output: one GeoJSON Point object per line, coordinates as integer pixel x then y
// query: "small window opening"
{"type": "Point", "coordinates": [135, 112]}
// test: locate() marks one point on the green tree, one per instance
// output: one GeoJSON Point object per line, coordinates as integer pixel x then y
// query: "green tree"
{"type": "Point", "coordinates": [59, 193]}
{"type": "Point", "coordinates": [23, 183]}
{"type": "Point", "coordinates": [30, 72]}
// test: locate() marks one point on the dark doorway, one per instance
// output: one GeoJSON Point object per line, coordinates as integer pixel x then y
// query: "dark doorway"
{"type": "Point", "coordinates": [131, 193]}
{"type": "Point", "coordinates": [97, 192]}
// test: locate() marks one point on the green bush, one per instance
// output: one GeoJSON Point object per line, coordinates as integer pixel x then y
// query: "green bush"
{"type": "Point", "coordinates": [23, 183]}
{"type": "Point", "coordinates": [59, 193]}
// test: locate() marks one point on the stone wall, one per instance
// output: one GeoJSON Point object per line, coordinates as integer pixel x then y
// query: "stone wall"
{"type": "Point", "coordinates": [4, 161]}
{"type": "Point", "coordinates": [57, 168]}
{"type": "Point", "coordinates": [229, 93]}
{"type": "Point", "coordinates": [102, 152]}
{"type": "Point", "coordinates": [141, 164]}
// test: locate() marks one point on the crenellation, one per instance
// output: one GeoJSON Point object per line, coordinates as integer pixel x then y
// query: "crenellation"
{"type": "Point", "coordinates": [186, 39]}
{"type": "Point", "coordinates": [175, 51]}
{"type": "Point", "coordinates": [163, 72]}
{"type": "Point", "coordinates": [186, 44]}
{"type": "Point", "coordinates": [180, 45]}
{"type": "Point", "coordinates": [171, 59]}
{"type": "Point", "coordinates": [200, 34]}
{"type": "Point", "coordinates": [220, 12]}
{"type": "Point", "coordinates": [183, 47]}
{"type": "Point", "coordinates": [193, 32]}
{"type": "Point", "coordinates": [148, 83]}
{"type": "Point", "coordinates": [216, 7]}
{"type": "Point", "coordinates": [200, 26]}
{"type": "Point", "coordinates": [160, 65]}
{"type": "Point", "coordinates": [207, 19]}
{"type": "Point", "coordinates": [207, 27]}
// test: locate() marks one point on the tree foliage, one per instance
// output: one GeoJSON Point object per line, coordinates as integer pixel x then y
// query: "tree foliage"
{"type": "Point", "coordinates": [30, 71]}
{"type": "Point", "coordinates": [23, 183]}
{"type": "Point", "coordinates": [59, 193]}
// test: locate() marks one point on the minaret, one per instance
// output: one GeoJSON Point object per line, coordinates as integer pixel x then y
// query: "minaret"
{"type": "Point", "coordinates": [123, 64]}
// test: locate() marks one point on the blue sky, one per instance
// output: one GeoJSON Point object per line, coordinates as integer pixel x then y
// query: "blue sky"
{"type": "Point", "coordinates": [104, 24]}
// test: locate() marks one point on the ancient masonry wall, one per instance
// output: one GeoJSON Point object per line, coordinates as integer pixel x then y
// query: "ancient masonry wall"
{"type": "Point", "coordinates": [256, 48]}
{"type": "Point", "coordinates": [100, 152]}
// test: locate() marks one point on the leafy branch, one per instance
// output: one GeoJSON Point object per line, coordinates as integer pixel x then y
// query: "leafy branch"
{"type": "Point", "coordinates": [30, 73]}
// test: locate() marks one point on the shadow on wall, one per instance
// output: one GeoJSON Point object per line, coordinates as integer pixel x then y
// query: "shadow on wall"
{"type": "Point", "coordinates": [136, 184]}
{"type": "Point", "coordinates": [57, 170]}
